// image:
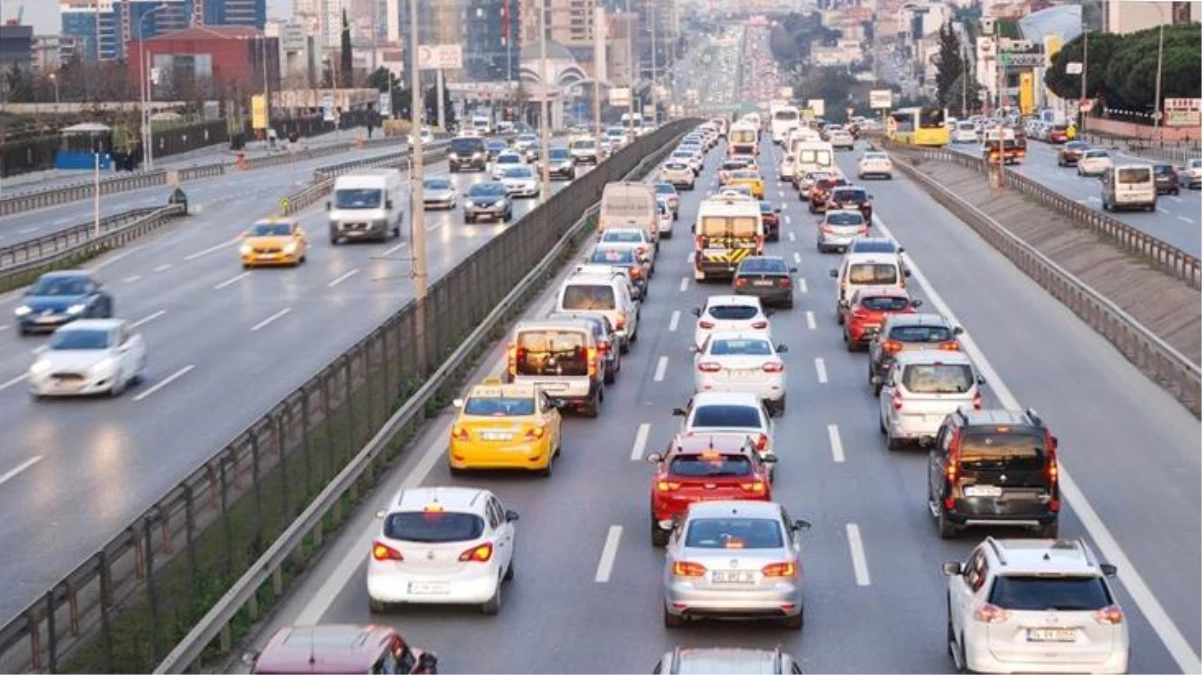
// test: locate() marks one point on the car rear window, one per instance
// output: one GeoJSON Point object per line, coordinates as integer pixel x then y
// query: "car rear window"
{"type": "Point", "coordinates": [763, 266]}
{"type": "Point", "coordinates": [590, 297]}
{"type": "Point", "coordinates": [721, 416]}
{"type": "Point", "coordinates": [938, 378]}
{"type": "Point", "coordinates": [734, 533]}
{"type": "Point", "coordinates": [884, 303]}
{"type": "Point", "coordinates": [920, 334]}
{"type": "Point", "coordinates": [872, 274]}
{"type": "Point", "coordinates": [707, 466]}
{"type": "Point", "coordinates": [845, 218]}
{"type": "Point", "coordinates": [1001, 450]}
{"type": "Point", "coordinates": [1038, 594]}
{"type": "Point", "coordinates": [733, 312]}
{"type": "Point", "coordinates": [873, 246]}
{"type": "Point", "coordinates": [613, 256]}
{"type": "Point", "coordinates": [433, 527]}
{"type": "Point", "coordinates": [622, 237]}
{"type": "Point", "coordinates": [857, 196]}
{"type": "Point", "coordinates": [1134, 175]}
{"type": "Point", "coordinates": [499, 406]}
{"type": "Point", "coordinates": [551, 352]}
{"type": "Point", "coordinates": [741, 348]}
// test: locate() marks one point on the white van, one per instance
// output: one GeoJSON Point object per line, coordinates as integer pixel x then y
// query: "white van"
{"type": "Point", "coordinates": [629, 204]}
{"type": "Point", "coordinates": [812, 155]}
{"type": "Point", "coordinates": [859, 270]}
{"type": "Point", "coordinates": [366, 204]}
{"type": "Point", "coordinates": [1129, 186]}
{"type": "Point", "coordinates": [607, 295]}
{"type": "Point", "coordinates": [561, 357]}
{"type": "Point", "coordinates": [482, 124]}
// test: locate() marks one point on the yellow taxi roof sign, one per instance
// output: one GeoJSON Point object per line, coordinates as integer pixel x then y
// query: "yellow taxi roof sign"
{"type": "Point", "coordinates": [491, 380]}
{"type": "Point", "coordinates": [433, 508]}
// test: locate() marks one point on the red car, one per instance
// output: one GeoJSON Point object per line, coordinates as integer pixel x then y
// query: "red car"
{"type": "Point", "coordinates": [337, 649]}
{"type": "Point", "coordinates": [1058, 134]}
{"type": "Point", "coordinates": [771, 217]}
{"type": "Point", "coordinates": [704, 468]}
{"type": "Point", "coordinates": [866, 311]}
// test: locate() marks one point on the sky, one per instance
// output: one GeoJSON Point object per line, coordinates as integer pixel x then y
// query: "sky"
{"type": "Point", "coordinates": [43, 14]}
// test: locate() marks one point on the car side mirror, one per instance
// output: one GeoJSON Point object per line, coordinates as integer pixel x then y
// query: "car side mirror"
{"type": "Point", "coordinates": [792, 270]}
{"type": "Point", "coordinates": [769, 312]}
{"type": "Point", "coordinates": [953, 568]}
{"type": "Point", "coordinates": [917, 303]}
{"type": "Point", "coordinates": [980, 379]}
{"type": "Point", "coordinates": [776, 210]}
{"type": "Point", "coordinates": [458, 403]}
{"type": "Point", "coordinates": [845, 303]}
{"type": "Point", "coordinates": [679, 412]}
{"type": "Point", "coordinates": [781, 349]}
{"type": "Point", "coordinates": [1055, 442]}
{"type": "Point", "coordinates": [655, 458]}
{"type": "Point", "coordinates": [1108, 569]}
{"type": "Point", "coordinates": [511, 516]}
{"type": "Point", "coordinates": [696, 311]}
{"type": "Point", "coordinates": [801, 525]}
{"type": "Point", "coordinates": [381, 514]}
{"type": "Point", "coordinates": [388, 204]}
{"type": "Point", "coordinates": [249, 658]}
{"type": "Point", "coordinates": [906, 273]}
{"type": "Point", "coordinates": [877, 380]}
{"type": "Point", "coordinates": [834, 274]}
{"type": "Point", "coordinates": [957, 331]}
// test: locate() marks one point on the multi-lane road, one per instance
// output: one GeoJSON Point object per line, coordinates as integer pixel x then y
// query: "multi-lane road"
{"type": "Point", "coordinates": [224, 346]}
{"type": "Point", "coordinates": [587, 595]}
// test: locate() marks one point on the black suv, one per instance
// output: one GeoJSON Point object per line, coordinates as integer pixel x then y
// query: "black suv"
{"type": "Point", "coordinates": [993, 467]}
{"type": "Point", "coordinates": [1165, 176]}
{"type": "Point", "coordinates": [906, 333]}
{"type": "Point", "coordinates": [467, 152]}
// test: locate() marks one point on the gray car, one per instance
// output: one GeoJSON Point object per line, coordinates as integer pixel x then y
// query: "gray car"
{"type": "Point", "coordinates": [439, 193]}
{"type": "Point", "coordinates": [487, 200]}
{"type": "Point", "coordinates": [694, 661]}
{"type": "Point", "coordinates": [735, 560]}
{"type": "Point", "coordinates": [838, 229]}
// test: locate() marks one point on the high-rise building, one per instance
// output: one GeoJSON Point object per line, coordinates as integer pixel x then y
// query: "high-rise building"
{"type": "Point", "coordinates": [1128, 17]}
{"type": "Point", "coordinates": [569, 22]}
{"type": "Point", "coordinates": [442, 22]}
{"type": "Point", "coordinates": [491, 52]}
{"type": "Point", "coordinates": [251, 13]}
{"type": "Point", "coordinates": [16, 47]}
{"type": "Point", "coordinates": [155, 17]}
{"type": "Point", "coordinates": [93, 27]}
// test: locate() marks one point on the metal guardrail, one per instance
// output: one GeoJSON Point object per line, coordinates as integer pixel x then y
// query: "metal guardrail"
{"type": "Point", "coordinates": [1178, 152]}
{"type": "Point", "coordinates": [1159, 360]}
{"type": "Point", "coordinates": [1165, 256]}
{"type": "Point", "coordinates": [119, 609]}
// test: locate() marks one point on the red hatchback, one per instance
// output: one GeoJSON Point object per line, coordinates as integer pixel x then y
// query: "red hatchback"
{"type": "Point", "coordinates": [340, 649]}
{"type": "Point", "coordinates": [866, 311]}
{"type": "Point", "coordinates": [704, 468]}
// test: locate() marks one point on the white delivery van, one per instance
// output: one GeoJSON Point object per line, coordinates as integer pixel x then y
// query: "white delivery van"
{"type": "Point", "coordinates": [1129, 186]}
{"type": "Point", "coordinates": [366, 205]}
{"type": "Point", "coordinates": [629, 204]}
{"type": "Point", "coordinates": [482, 124]}
{"type": "Point", "coordinates": [860, 270]}
{"type": "Point", "coordinates": [811, 156]}
{"type": "Point", "coordinates": [607, 295]}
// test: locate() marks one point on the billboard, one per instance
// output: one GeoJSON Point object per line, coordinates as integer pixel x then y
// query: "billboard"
{"type": "Point", "coordinates": [818, 106]}
{"type": "Point", "coordinates": [1183, 112]}
{"type": "Point", "coordinates": [1026, 92]}
{"type": "Point", "coordinates": [258, 111]}
{"type": "Point", "coordinates": [619, 96]}
{"type": "Point", "coordinates": [440, 57]}
{"type": "Point", "coordinates": [880, 99]}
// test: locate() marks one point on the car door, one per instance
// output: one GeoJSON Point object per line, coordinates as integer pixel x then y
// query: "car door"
{"type": "Point", "coordinates": [886, 397]}
{"type": "Point", "coordinates": [551, 416]}
{"type": "Point", "coordinates": [504, 529]}
{"type": "Point", "coordinates": [127, 355]}
{"type": "Point", "coordinates": [962, 588]}
{"type": "Point", "coordinates": [937, 462]}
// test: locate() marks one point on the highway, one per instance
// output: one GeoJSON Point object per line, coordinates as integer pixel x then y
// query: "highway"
{"type": "Point", "coordinates": [224, 346]}
{"type": "Point", "coordinates": [1177, 221]}
{"type": "Point", "coordinates": [587, 593]}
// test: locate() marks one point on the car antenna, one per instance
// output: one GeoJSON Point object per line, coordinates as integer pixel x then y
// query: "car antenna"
{"type": "Point", "coordinates": [312, 650]}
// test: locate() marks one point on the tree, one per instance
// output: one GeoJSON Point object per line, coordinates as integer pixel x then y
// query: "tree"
{"type": "Point", "coordinates": [949, 76]}
{"type": "Point", "coordinates": [19, 84]}
{"type": "Point", "coordinates": [347, 69]}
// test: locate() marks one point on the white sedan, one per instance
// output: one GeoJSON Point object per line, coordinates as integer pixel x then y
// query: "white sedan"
{"type": "Point", "coordinates": [742, 362]}
{"type": "Point", "coordinates": [875, 164]}
{"type": "Point", "coordinates": [730, 414]}
{"type": "Point", "coordinates": [679, 174]}
{"type": "Point", "coordinates": [521, 181]}
{"type": "Point", "coordinates": [743, 313]}
{"type": "Point", "coordinates": [842, 139]}
{"type": "Point", "coordinates": [1094, 163]}
{"type": "Point", "coordinates": [505, 161]}
{"type": "Point", "coordinates": [89, 356]}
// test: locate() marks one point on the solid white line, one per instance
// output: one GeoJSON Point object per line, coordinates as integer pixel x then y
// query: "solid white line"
{"type": "Point", "coordinates": [820, 366]}
{"type": "Point", "coordinates": [859, 562]}
{"type": "Point", "coordinates": [210, 249]}
{"type": "Point", "coordinates": [792, 237]}
{"type": "Point", "coordinates": [163, 268]}
{"type": "Point", "coordinates": [801, 283]}
{"type": "Point", "coordinates": [661, 369]}
{"type": "Point", "coordinates": [608, 554]}
{"type": "Point", "coordinates": [130, 280]}
{"type": "Point", "coordinates": [1177, 199]}
{"type": "Point", "coordinates": [810, 323]}
{"type": "Point", "coordinates": [1184, 219]}
{"type": "Point", "coordinates": [1161, 211]}
{"type": "Point", "coordinates": [675, 322]}
{"type": "Point", "coordinates": [343, 278]}
{"type": "Point", "coordinates": [784, 207]}
{"type": "Point", "coordinates": [396, 248]}
{"type": "Point", "coordinates": [268, 320]}
{"type": "Point", "coordinates": [796, 257]}
{"type": "Point", "coordinates": [27, 230]}
{"type": "Point", "coordinates": [21, 467]}
{"type": "Point", "coordinates": [832, 432]}
{"type": "Point", "coordinates": [640, 442]}
{"type": "Point", "coordinates": [13, 381]}
{"type": "Point", "coordinates": [1174, 641]}
{"type": "Point", "coordinates": [684, 284]}
{"type": "Point", "coordinates": [170, 378]}
{"type": "Point", "coordinates": [233, 280]}
{"type": "Point", "coordinates": [148, 319]}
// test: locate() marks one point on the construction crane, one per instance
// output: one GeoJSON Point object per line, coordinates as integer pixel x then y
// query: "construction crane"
{"type": "Point", "coordinates": [20, 16]}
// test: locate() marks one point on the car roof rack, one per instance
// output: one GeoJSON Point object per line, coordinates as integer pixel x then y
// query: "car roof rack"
{"type": "Point", "coordinates": [675, 667]}
{"type": "Point", "coordinates": [997, 549]}
{"type": "Point", "coordinates": [1034, 417]}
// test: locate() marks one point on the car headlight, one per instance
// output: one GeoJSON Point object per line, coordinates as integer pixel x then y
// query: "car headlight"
{"type": "Point", "coordinates": [246, 249]}
{"type": "Point", "coordinates": [76, 308]}
{"type": "Point", "coordinates": [22, 310]}
{"type": "Point", "coordinates": [469, 204]}
{"type": "Point", "coordinates": [40, 366]}
{"type": "Point", "coordinates": [475, 155]}
{"type": "Point", "coordinates": [453, 155]}
{"type": "Point", "coordinates": [290, 248]}
{"type": "Point", "coordinates": [102, 366]}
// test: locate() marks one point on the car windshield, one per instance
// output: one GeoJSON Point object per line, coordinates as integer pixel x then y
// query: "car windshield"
{"type": "Point", "coordinates": [433, 527]}
{"type": "Point", "coordinates": [509, 159]}
{"type": "Point", "coordinates": [741, 348]}
{"type": "Point", "coordinates": [559, 154]}
{"type": "Point", "coordinates": [552, 352]}
{"type": "Point", "coordinates": [486, 190]}
{"type": "Point", "coordinates": [745, 175]}
{"type": "Point", "coordinates": [844, 218]}
{"type": "Point", "coordinates": [734, 533]}
{"type": "Point", "coordinates": [763, 266]}
{"type": "Point", "coordinates": [499, 406]}
{"type": "Point", "coordinates": [80, 339]}
{"type": "Point", "coordinates": [938, 378]}
{"type": "Point", "coordinates": [733, 312]}
{"type": "Point", "coordinates": [355, 198]}
{"type": "Point", "coordinates": [1164, 170]}
{"type": "Point", "coordinates": [719, 416]}
{"type": "Point", "coordinates": [710, 465]}
{"type": "Point", "coordinates": [622, 237]}
{"type": "Point", "coordinates": [875, 155]}
{"type": "Point", "coordinates": [885, 303]}
{"type": "Point", "coordinates": [497, 145]}
{"type": "Point", "coordinates": [437, 184]}
{"type": "Point", "coordinates": [920, 333]}
{"type": "Point", "coordinates": [584, 145]}
{"type": "Point", "coordinates": [466, 146]}
{"type": "Point", "coordinates": [59, 286]}
{"type": "Point", "coordinates": [613, 256]}
{"type": "Point", "coordinates": [665, 189]}
{"type": "Point", "coordinates": [589, 297]}
{"type": "Point", "coordinates": [1040, 594]}
{"type": "Point", "coordinates": [1002, 448]}
{"type": "Point", "coordinates": [284, 229]}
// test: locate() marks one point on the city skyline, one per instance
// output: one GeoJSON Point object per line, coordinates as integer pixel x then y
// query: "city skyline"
{"type": "Point", "coordinates": [46, 20]}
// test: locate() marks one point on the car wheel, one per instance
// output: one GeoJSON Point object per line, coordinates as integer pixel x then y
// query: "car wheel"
{"type": "Point", "coordinates": [493, 606]}
{"type": "Point", "coordinates": [671, 620]}
{"type": "Point", "coordinates": [376, 606]}
{"type": "Point", "coordinates": [119, 382]}
{"type": "Point", "coordinates": [611, 374]}
{"type": "Point", "coordinates": [511, 571]}
{"type": "Point", "coordinates": [946, 529]}
{"type": "Point", "coordinates": [795, 622]}
{"type": "Point", "coordinates": [549, 469]}
{"type": "Point", "coordinates": [659, 536]}
{"type": "Point", "coordinates": [838, 317]}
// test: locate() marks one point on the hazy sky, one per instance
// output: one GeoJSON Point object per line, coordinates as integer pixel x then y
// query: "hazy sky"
{"type": "Point", "coordinates": [43, 14]}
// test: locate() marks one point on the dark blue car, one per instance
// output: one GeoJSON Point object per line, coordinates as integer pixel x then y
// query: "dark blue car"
{"type": "Point", "coordinates": [61, 297]}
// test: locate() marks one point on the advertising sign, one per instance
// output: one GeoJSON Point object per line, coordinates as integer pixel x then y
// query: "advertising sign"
{"type": "Point", "coordinates": [619, 96]}
{"type": "Point", "coordinates": [818, 106]}
{"type": "Point", "coordinates": [1183, 112]}
{"type": "Point", "coordinates": [880, 99]}
{"type": "Point", "coordinates": [440, 57]}
{"type": "Point", "coordinates": [327, 108]}
{"type": "Point", "coordinates": [258, 111]}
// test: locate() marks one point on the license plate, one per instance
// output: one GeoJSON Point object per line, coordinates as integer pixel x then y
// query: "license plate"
{"type": "Point", "coordinates": [746, 374]}
{"type": "Point", "coordinates": [982, 491]}
{"type": "Point", "coordinates": [47, 319]}
{"type": "Point", "coordinates": [429, 587]}
{"type": "Point", "coordinates": [714, 251]}
{"type": "Point", "coordinates": [496, 435]}
{"type": "Point", "coordinates": [732, 577]}
{"type": "Point", "coordinates": [1051, 635]}
{"type": "Point", "coordinates": [763, 283]}
{"type": "Point", "coordinates": [554, 386]}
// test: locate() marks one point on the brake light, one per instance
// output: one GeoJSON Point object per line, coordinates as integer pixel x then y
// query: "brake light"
{"type": "Point", "coordinates": [777, 570]}
{"type": "Point", "coordinates": [976, 401]}
{"type": "Point", "coordinates": [709, 367]}
{"type": "Point", "coordinates": [759, 244]}
{"type": "Point", "coordinates": [774, 367]}
{"type": "Point", "coordinates": [636, 272]}
{"type": "Point", "coordinates": [761, 443]}
{"type": "Point", "coordinates": [666, 486]}
{"type": "Point", "coordinates": [755, 488]}
{"type": "Point", "coordinates": [953, 464]}
{"type": "Point", "coordinates": [535, 433]}
{"type": "Point", "coordinates": [642, 250]}
{"type": "Point", "coordinates": [893, 346]}
{"type": "Point", "coordinates": [460, 433]}
{"type": "Point", "coordinates": [1111, 615]}
{"type": "Point", "coordinates": [603, 346]}
{"type": "Point", "coordinates": [592, 361]}
{"type": "Point", "coordinates": [989, 613]}
{"type": "Point", "coordinates": [740, 282]}
{"type": "Point", "coordinates": [385, 552]}
{"type": "Point", "coordinates": [897, 399]}
{"type": "Point", "coordinates": [952, 346]}
{"type": "Point", "coordinates": [706, 324]}
{"type": "Point", "coordinates": [513, 359]}
{"type": "Point", "coordinates": [786, 282]}
{"type": "Point", "coordinates": [481, 553]}
{"type": "Point", "coordinates": [759, 325]}
{"type": "Point", "coordinates": [688, 569]}
{"type": "Point", "coordinates": [700, 242]}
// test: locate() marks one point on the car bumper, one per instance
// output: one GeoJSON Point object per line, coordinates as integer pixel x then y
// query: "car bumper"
{"type": "Point", "coordinates": [44, 324]}
{"type": "Point", "coordinates": [980, 659]}
{"type": "Point", "coordinates": [268, 259]}
{"type": "Point", "coordinates": [480, 164]}
{"type": "Point", "coordinates": [768, 390]}
{"type": "Point", "coordinates": [523, 193]}
{"type": "Point", "coordinates": [386, 583]}
{"type": "Point", "coordinates": [490, 213]}
{"type": "Point", "coordinates": [445, 203]}
{"type": "Point", "coordinates": [499, 455]}
{"type": "Point", "coordinates": [914, 427]}
{"type": "Point", "coordinates": [862, 333]}
{"type": "Point", "coordinates": [683, 598]}
{"type": "Point", "coordinates": [839, 241]}
{"type": "Point", "coordinates": [766, 293]}
{"type": "Point", "coordinates": [45, 385]}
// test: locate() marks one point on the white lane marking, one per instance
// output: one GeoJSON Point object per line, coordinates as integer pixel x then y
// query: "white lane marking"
{"type": "Point", "coordinates": [661, 369]}
{"type": "Point", "coordinates": [792, 237]}
{"type": "Point", "coordinates": [232, 280]}
{"type": "Point", "coordinates": [1178, 200]}
{"type": "Point", "coordinates": [820, 366]}
{"type": "Point", "coordinates": [1094, 200]}
{"type": "Point", "coordinates": [210, 249]}
{"type": "Point", "coordinates": [20, 467]}
{"type": "Point", "coordinates": [796, 257]}
{"type": "Point", "coordinates": [163, 268]}
{"type": "Point", "coordinates": [810, 322]}
{"type": "Point", "coordinates": [265, 322]}
{"type": "Point", "coordinates": [169, 379]}
{"type": "Point", "coordinates": [859, 562]}
{"type": "Point", "coordinates": [343, 278]}
{"type": "Point", "coordinates": [396, 248]}
{"type": "Point", "coordinates": [15, 380]}
{"type": "Point", "coordinates": [684, 284]}
{"type": "Point", "coordinates": [1161, 211]}
{"type": "Point", "coordinates": [1174, 641]}
{"type": "Point", "coordinates": [27, 230]}
{"type": "Point", "coordinates": [148, 319]}
{"type": "Point", "coordinates": [640, 441]}
{"type": "Point", "coordinates": [130, 280]}
{"type": "Point", "coordinates": [832, 432]}
{"type": "Point", "coordinates": [606, 565]}
{"type": "Point", "coordinates": [675, 322]}
{"type": "Point", "coordinates": [1184, 219]}
{"type": "Point", "coordinates": [784, 207]}
{"type": "Point", "coordinates": [801, 283]}
{"type": "Point", "coordinates": [789, 221]}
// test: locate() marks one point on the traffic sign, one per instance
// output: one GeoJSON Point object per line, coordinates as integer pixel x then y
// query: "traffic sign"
{"type": "Point", "coordinates": [284, 204]}
{"type": "Point", "coordinates": [880, 99]}
{"type": "Point", "coordinates": [440, 57]}
{"type": "Point", "coordinates": [1022, 60]}
{"type": "Point", "coordinates": [1073, 68]}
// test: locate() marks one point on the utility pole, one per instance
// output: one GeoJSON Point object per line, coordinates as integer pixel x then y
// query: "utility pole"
{"type": "Point", "coordinates": [442, 113]}
{"type": "Point", "coordinates": [654, 100]}
{"type": "Point", "coordinates": [543, 122]}
{"type": "Point", "coordinates": [633, 67]}
{"type": "Point", "coordinates": [417, 198]}
{"type": "Point", "coordinates": [96, 193]}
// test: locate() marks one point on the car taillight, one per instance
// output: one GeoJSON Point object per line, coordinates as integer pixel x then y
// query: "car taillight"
{"type": "Point", "coordinates": [700, 242]}
{"type": "Point", "coordinates": [989, 613]}
{"type": "Point", "coordinates": [706, 324]}
{"type": "Point", "coordinates": [535, 433]}
{"type": "Point", "coordinates": [636, 272]}
{"type": "Point", "coordinates": [641, 251]}
{"type": "Point", "coordinates": [1109, 615]}
{"type": "Point", "coordinates": [897, 400]}
{"type": "Point", "coordinates": [778, 570]}
{"type": "Point", "coordinates": [385, 552]}
{"type": "Point", "coordinates": [740, 282]}
{"type": "Point", "coordinates": [976, 401]}
{"type": "Point", "coordinates": [952, 346]}
{"type": "Point", "coordinates": [460, 433]}
{"type": "Point", "coordinates": [759, 244]}
{"type": "Point", "coordinates": [755, 488]}
{"type": "Point", "coordinates": [666, 486]}
{"type": "Point", "coordinates": [759, 325]}
{"type": "Point", "coordinates": [592, 361]}
{"type": "Point", "coordinates": [688, 569]}
{"type": "Point", "coordinates": [774, 367]}
{"type": "Point", "coordinates": [481, 553]}
{"type": "Point", "coordinates": [761, 443]}
{"type": "Point", "coordinates": [952, 471]}
{"type": "Point", "coordinates": [893, 346]}
{"type": "Point", "coordinates": [786, 282]}
{"type": "Point", "coordinates": [709, 367]}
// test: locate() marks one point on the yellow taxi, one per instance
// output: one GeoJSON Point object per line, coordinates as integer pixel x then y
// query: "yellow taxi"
{"type": "Point", "coordinates": [751, 179]}
{"type": "Point", "coordinates": [274, 241]}
{"type": "Point", "coordinates": [505, 426]}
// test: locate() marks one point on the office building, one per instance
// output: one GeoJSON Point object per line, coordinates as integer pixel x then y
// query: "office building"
{"type": "Point", "coordinates": [442, 22]}
{"type": "Point", "coordinates": [155, 17]}
{"type": "Point", "coordinates": [94, 29]}
{"type": "Point", "coordinates": [16, 47]}
{"type": "Point", "coordinates": [192, 59]}
{"type": "Point", "coordinates": [492, 50]}
{"type": "Point", "coordinates": [250, 13]}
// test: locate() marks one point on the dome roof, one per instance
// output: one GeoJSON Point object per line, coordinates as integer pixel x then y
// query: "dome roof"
{"type": "Point", "coordinates": [1061, 20]}
{"type": "Point", "coordinates": [555, 52]}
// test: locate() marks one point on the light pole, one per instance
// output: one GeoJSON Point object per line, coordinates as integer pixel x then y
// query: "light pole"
{"type": "Point", "coordinates": [418, 198]}
{"type": "Point", "coordinates": [543, 123]}
{"type": "Point", "coordinates": [147, 87]}
{"type": "Point", "coordinates": [1084, 79]}
{"type": "Point", "coordinates": [1157, 114]}
{"type": "Point", "coordinates": [654, 100]}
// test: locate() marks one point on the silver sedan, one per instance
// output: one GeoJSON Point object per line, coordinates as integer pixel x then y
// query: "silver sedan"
{"type": "Point", "coordinates": [439, 193]}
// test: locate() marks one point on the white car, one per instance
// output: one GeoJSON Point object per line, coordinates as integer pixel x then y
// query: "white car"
{"type": "Point", "coordinates": [742, 362]}
{"type": "Point", "coordinates": [743, 313]}
{"type": "Point", "coordinates": [504, 161]}
{"type": "Point", "coordinates": [964, 132]}
{"type": "Point", "coordinates": [584, 150]}
{"type": "Point", "coordinates": [1094, 163]}
{"type": "Point", "coordinates": [679, 174]}
{"type": "Point", "coordinates": [442, 545]}
{"type": "Point", "coordinates": [521, 181]}
{"type": "Point", "coordinates": [524, 142]}
{"type": "Point", "coordinates": [786, 167]}
{"type": "Point", "coordinates": [665, 218]}
{"type": "Point", "coordinates": [842, 139]}
{"type": "Point", "coordinates": [688, 158]}
{"type": "Point", "coordinates": [875, 163]}
{"type": "Point", "coordinates": [634, 237]}
{"type": "Point", "coordinates": [730, 414]}
{"type": "Point", "coordinates": [921, 389]}
{"type": "Point", "coordinates": [1193, 174]}
{"type": "Point", "coordinates": [88, 356]}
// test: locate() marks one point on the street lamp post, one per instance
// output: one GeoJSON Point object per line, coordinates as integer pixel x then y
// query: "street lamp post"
{"type": "Point", "coordinates": [543, 123]}
{"type": "Point", "coordinates": [418, 198]}
{"type": "Point", "coordinates": [54, 81]}
{"type": "Point", "coordinates": [1084, 78]}
{"type": "Point", "coordinates": [147, 88]}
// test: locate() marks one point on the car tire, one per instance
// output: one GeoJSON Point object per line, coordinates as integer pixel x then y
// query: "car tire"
{"type": "Point", "coordinates": [493, 606]}
{"type": "Point", "coordinates": [946, 529]}
{"type": "Point", "coordinates": [511, 571]}
{"type": "Point", "coordinates": [659, 536]}
{"type": "Point", "coordinates": [893, 444]}
{"type": "Point", "coordinates": [549, 469]}
{"type": "Point", "coordinates": [795, 622]}
{"type": "Point", "coordinates": [611, 374]}
{"type": "Point", "coordinates": [119, 384]}
{"type": "Point", "coordinates": [376, 606]}
{"type": "Point", "coordinates": [671, 620]}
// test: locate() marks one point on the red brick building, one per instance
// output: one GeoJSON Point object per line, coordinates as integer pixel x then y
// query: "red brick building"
{"type": "Point", "coordinates": [201, 57]}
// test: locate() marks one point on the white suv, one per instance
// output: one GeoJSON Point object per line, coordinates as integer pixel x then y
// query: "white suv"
{"type": "Point", "coordinates": [1034, 605]}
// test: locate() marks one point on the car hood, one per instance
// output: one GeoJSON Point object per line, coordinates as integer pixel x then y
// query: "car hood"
{"type": "Point", "coordinates": [439, 194]}
{"type": "Point", "coordinates": [79, 360]}
{"type": "Point", "coordinates": [56, 303]}
{"type": "Point", "coordinates": [485, 199]}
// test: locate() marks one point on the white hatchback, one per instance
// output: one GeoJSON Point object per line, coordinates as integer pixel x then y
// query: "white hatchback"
{"type": "Point", "coordinates": [921, 389]}
{"type": "Point", "coordinates": [737, 414]}
{"type": "Point", "coordinates": [744, 313]}
{"type": "Point", "coordinates": [742, 362]}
